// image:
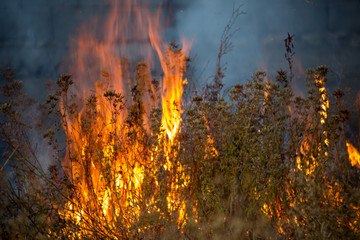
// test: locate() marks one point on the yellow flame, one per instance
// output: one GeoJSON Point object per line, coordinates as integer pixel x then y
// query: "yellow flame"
{"type": "Point", "coordinates": [107, 182]}
{"type": "Point", "coordinates": [354, 155]}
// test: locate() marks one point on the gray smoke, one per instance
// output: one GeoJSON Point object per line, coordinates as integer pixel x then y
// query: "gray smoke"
{"type": "Point", "coordinates": [326, 33]}
{"type": "Point", "coordinates": [34, 36]}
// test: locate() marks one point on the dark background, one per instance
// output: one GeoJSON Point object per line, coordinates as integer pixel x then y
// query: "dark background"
{"type": "Point", "coordinates": [35, 37]}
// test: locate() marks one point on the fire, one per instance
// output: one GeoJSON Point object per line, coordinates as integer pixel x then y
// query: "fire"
{"type": "Point", "coordinates": [310, 167]}
{"type": "Point", "coordinates": [108, 160]}
{"type": "Point", "coordinates": [109, 185]}
{"type": "Point", "coordinates": [307, 163]}
{"type": "Point", "coordinates": [354, 155]}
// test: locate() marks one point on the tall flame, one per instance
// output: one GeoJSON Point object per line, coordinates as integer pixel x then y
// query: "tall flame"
{"type": "Point", "coordinates": [109, 183]}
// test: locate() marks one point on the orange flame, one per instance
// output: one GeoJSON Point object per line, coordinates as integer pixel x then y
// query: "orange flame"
{"type": "Point", "coordinates": [111, 184]}
{"type": "Point", "coordinates": [310, 167]}
{"type": "Point", "coordinates": [354, 155]}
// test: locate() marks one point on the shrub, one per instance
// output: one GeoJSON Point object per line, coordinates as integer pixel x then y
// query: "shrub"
{"type": "Point", "coordinates": [265, 164]}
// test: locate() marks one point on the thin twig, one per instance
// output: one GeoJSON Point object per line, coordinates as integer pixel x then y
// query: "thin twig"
{"type": "Point", "coordinates": [9, 157]}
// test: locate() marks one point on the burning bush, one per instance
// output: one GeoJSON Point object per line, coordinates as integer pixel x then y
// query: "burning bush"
{"type": "Point", "coordinates": [262, 164]}
{"type": "Point", "coordinates": [125, 159]}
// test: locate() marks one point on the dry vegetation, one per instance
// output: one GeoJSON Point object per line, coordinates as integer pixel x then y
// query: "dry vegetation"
{"type": "Point", "coordinates": [262, 164]}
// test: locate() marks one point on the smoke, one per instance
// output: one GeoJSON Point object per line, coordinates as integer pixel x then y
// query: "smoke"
{"type": "Point", "coordinates": [204, 21]}
{"type": "Point", "coordinates": [35, 36]}
{"type": "Point", "coordinates": [323, 36]}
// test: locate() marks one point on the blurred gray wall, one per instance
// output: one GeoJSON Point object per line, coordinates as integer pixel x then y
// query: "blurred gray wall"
{"type": "Point", "coordinates": [34, 36]}
{"type": "Point", "coordinates": [327, 32]}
